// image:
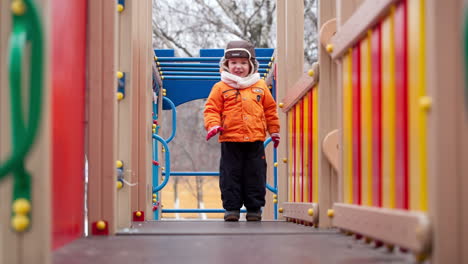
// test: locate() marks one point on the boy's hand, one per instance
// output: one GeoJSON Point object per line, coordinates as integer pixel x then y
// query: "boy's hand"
{"type": "Point", "coordinates": [213, 131]}
{"type": "Point", "coordinates": [275, 137]}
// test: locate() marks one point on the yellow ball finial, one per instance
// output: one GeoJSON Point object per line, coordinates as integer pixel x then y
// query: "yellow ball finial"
{"type": "Point", "coordinates": [20, 223]}
{"type": "Point", "coordinates": [119, 164]}
{"type": "Point", "coordinates": [275, 164]}
{"type": "Point", "coordinates": [310, 212]}
{"type": "Point", "coordinates": [330, 213]}
{"type": "Point", "coordinates": [120, 8]}
{"type": "Point", "coordinates": [120, 96]}
{"type": "Point", "coordinates": [425, 103]}
{"type": "Point", "coordinates": [21, 206]}
{"type": "Point", "coordinates": [138, 213]}
{"type": "Point", "coordinates": [275, 201]}
{"type": "Point", "coordinates": [285, 160]}
{"type": "Point", "coordinates": [120, 74]}
{"type": "Point", "coordinates": [329, 48]}
{"type": "Point", "coordinates": [275, 196]}
{"type": "Point", "coordinates": [311, 73]}
{"type": "Point", "coordinates": [154, 200]}
{"type": "Point", "coordinates": [281, 105]}
{"type": "Point", "coordinates": [101, 225]}
{"type": "Point", "coordinates": [119, 185]}
{"type": "Point", "coordinates": [280, 210]}
{"type": "Point", "coordinates": [154, 195]}
{"type": "Point", "coordinates": [18, 7]}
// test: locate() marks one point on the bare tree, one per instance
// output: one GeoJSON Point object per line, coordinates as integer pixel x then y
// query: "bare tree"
{"type": "Point", "coordinates": [186, 26]}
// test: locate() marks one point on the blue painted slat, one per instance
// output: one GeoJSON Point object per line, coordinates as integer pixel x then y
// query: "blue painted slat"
{"type": "Point", "coordinates": [164, 69]}
{"type": "Point", "coordinates": [197, 211]}
{"type": "Point", "coordinates": [209, 65]}
{"type": "Point", "coordinates": [164, 52]}
{"type": "Point", "coordinates": [194, 78]}
{"type": "Point", "coordinates": [204, 59]}
{"type": "Point", "coordinates": [165, 73]}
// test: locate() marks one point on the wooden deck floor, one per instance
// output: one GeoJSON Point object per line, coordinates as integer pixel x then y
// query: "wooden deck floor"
{"type": "Point", "coordinates": [213, 242]}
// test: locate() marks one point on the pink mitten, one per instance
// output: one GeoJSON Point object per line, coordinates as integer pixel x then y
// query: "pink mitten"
{"type": "Point", "coordinates": [275, 137]}
{"type": "Point", "coordinates": [213, 131]}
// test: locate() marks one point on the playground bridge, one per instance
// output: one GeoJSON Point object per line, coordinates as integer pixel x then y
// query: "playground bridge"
{"type": "Point", "coordinates": [370, 168]}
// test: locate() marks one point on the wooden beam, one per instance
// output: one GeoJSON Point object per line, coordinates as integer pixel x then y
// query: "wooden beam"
{"type": "Point", "coordinates": [447, 131]}
{"type": "Point", "coordinates": [302, 86]}
{"type": "Point", "coordinates": [368, 14]}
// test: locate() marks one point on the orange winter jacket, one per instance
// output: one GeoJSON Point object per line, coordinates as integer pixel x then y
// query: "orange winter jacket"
{"type": "Point", "coordinates": [245, 114]}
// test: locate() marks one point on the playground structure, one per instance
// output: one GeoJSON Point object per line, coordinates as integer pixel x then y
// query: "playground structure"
{"type": "Point", "coordinates": [374, 136]}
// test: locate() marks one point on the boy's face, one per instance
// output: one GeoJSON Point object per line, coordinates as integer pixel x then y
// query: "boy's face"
{"type": "Point", "coordinates": [239, 66]}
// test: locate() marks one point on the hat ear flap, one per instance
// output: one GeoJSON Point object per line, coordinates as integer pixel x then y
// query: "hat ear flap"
{"type": "Point", "coordinates": [253, 66]}
{"type": "Point", "coordinates": [223, 65]}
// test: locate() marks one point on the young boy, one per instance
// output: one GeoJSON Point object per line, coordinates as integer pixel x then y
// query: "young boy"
{"type": "Point", "coordinates": [241, 108]}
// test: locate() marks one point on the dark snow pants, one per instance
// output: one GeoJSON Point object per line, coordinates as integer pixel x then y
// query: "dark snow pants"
{"type": "Point", "coordinates": [242, 175]}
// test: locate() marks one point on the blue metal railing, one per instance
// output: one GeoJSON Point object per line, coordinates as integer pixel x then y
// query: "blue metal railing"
{"type": "Point", "coordinates": [174, 118]}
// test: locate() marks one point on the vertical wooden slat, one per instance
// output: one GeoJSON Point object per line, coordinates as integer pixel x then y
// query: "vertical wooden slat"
{"type": "Point", "coordinates": [306, 144]}
{"type": "Point", "coordinates": [291, 154]}
{"type": "Point", "coordinates": [315, 144]}
{"type": "Point", "coordinates": [347, 129]}
{"type": "Point", "coordinates": [310, 147]}
{"type": "Point", "coordinates": [125, 58]}
{"type": "Point", "coordinates": [356, 125]}
{"type": "Point", "coordinates": [417, 118]}
{"type": "Point", "coordinates": [388, 112]}
{"type": "Point", "coordinates": [366, 120]}
{"type": "Point", "coordinates": [297, 154]}
{"type": "Point", "coordinates": [376, 116]}
{"type": "Point", "coordinates": [301, 150]}
{"type": "Point", "coordinates": [401, 107]}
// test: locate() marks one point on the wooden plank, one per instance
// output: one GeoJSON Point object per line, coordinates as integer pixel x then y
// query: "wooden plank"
{"type": "Point", "coordinates": [388, 113]}
{"type": "Point", "coordinates": [327, 109]}
{"type": "Point", "coordinates": [302, 184]}
{"type": "Point", "coordinates": [290, 159]}
{"type": "Point", "coordinates": [315, 145]}
{"type": "Point", "coordinates": [300, 88]}
{"type": "Point", "coordinates": [94, 91]}
{"type": "Point", "coordinates": [296, 154]}
{"type": "Point", "coordinates": [306, 148]}
{"type": "Point", "coordinates": [281, 88]}
{"type": "Point", "coordinates": [376, 75]}
{"type": "Point", "coordinates": [417, 118]}
{"type": "Point", "coordinates": [9, 241]}
{"type": "Point", "coordinates": [356, 125]}
{"type": "Point", "coordinates": [401, 108]}
{"type": "Point", "coordinates": [366, 120]}
{"type": "Point", "coordinates": [368, 15]}
{"type": "Point", "coordinates": [447, 129]}
{"type": "Point", "coordinates": [109, 104]}
{"type": "Point", "coordinates": [410, 230]}
{"type": "Point", "coordinates": [347, 130]}
{"type": "Point", "coordinates": [125, 132]}
{"type": "Point", "coordinates": [307, 212]}
{"type": "Point", "coordinates": [310, 147]}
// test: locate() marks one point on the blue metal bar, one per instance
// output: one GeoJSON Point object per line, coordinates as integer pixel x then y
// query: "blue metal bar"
{"type": "Point", "coordinates": [272, 189]}
{"type": "Point", "coordinates": [190, 73]}
{"type": "Point", "coordinates": [174, 119]}
{"type": "Point", "coordinates": [165, 77]}
{"type": "Point", "coordinates": [197, 211]}
{"type": "Point", "coordinates": [164, 69]}
{"type": "Point", "coordinates": [194, 59]}
{"type": "Point", "coordinates": [208, 65]}
{"type": "Point", "coordinates": [190, 173]}
{"type": "Point", "coordinates": [168, 163]}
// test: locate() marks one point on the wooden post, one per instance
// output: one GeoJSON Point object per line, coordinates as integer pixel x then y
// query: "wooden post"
{"type": "Point", "coordinates": [447, 131]}
{"type": "Point", "coordinates": [34, 245]}
{"type": "Point", "coordinates": [102, 86]}
{"type": "Point", "coordinates": [290, 52]}
{"type": "Point", "coordinates": [327, 101]}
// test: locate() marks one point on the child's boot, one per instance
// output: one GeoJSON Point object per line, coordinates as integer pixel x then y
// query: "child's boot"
{"type": "Point", "coordinates": [254, 215]}
{"type": "Point", "coordinates": [231, 215]}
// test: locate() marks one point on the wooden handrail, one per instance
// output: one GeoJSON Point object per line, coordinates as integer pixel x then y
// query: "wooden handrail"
{"type": "Point", "coordinates": [368, 15]}
{"type": "Point", "coordinates": [305, 83]}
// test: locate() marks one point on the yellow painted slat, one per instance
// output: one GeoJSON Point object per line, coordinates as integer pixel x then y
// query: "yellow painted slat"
{"type": "Point", "coordinates": [315, 143]}
{"type": "Point", "coordinates": [297, 108]}
{"type": "Point", "coordinates": [347, 129]}
{"type": "Point", "coordinates": [307, 141]}
{"type": "Point", "coordinates": [366, 120]}
{"type": "Point", "coordinates": [290, 156]}
{"type": "Point", "coordinates": [388, 111]}
{"type": "Point", "coordinates": [417, 116]}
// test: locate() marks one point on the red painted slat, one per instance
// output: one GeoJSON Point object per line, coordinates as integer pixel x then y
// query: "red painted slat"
{"type": "Point", "coordinates": [356, 79]}
{"type": "Point", "coordinates": [301, 128]}
{"type": "Point", "coordinates": [401, 115]}
{"type": "Point", "coordinates": [311, 146]}
{"type": "Point", "coordinates": [294, 172]}
{"type": "Point", "coordinates": [68, 79]}
{"type": "Point", "coordinates": [376, 46]}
